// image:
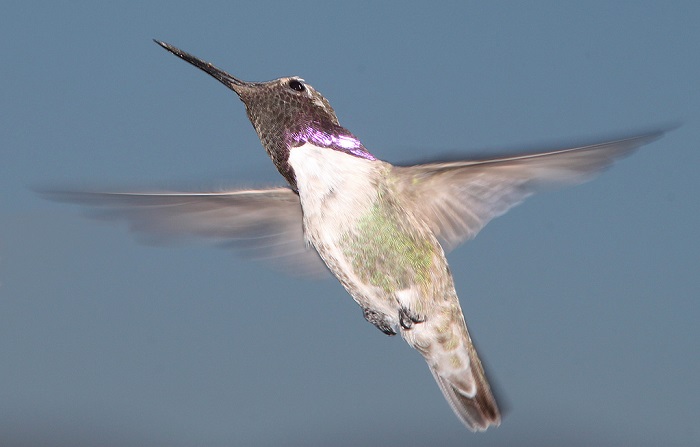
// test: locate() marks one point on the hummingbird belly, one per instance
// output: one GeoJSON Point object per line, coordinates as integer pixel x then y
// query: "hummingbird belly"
{"type": "Point", "coordinates": [384, 256]}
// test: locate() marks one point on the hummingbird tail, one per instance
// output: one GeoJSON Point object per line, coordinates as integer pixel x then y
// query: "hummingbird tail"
{"type": "Point", "coordinates": [476, 412]}
{"type": "Point", "coordinates": [455, 364]}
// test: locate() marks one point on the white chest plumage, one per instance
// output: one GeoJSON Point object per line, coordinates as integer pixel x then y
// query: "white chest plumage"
{"type": "Point", "coordinates": [334, 188]}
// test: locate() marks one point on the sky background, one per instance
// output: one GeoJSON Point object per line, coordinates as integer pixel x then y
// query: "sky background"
{"type": "Point", "coordinates": [583, 302]}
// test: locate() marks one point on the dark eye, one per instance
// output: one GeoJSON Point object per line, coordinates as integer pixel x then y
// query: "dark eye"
{"type": "Point", "coordinates": [296, 85]}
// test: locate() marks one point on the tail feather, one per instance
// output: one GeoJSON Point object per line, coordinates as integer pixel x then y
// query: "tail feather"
{"type": "Point", "coordinates": [447, 347]}
{"type": "Point", "coordinates": [477, 412]}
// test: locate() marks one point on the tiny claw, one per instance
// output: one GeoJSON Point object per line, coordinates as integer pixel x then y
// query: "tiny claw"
{"type": "Point", "coordinates": [381, 321]}
{"type": "Point", "coordinates": [407, 318]}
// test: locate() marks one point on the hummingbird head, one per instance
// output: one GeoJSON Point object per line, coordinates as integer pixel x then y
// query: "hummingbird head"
{"type": "Point", "coordinates": [286, 113]}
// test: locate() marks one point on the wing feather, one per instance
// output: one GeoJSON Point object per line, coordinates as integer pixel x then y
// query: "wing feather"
{"type": "Point", "coordinates": [457, 199]}
{"type": "Point", "coordinates": [262, 223]}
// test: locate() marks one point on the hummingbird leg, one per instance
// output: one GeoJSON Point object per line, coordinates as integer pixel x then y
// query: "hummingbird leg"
{"type": "Point", "coordinates": [379, 320]}
{"type": "Point", "coordinates": [407, 317]}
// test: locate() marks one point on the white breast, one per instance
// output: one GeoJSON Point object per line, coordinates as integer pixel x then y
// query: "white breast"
{"type": "Point", "coordinates": [334, 187]}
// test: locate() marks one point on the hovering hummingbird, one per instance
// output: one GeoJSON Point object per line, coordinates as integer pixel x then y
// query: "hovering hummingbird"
{"type": "Point", "coordinates": [382, 230]}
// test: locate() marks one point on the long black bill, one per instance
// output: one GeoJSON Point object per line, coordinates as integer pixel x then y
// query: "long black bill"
{"type": "Point", "coordinates": [229, 81]}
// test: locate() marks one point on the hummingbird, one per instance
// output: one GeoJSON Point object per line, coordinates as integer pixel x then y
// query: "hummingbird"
{"type": "Point", "coordinates": [382, 230]}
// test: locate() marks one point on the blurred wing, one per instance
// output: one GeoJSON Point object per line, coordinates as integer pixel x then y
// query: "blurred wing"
{"type": "Point", "coordinates": [457, 199]}
{"type": "Point", "coordinates": [264, 223]}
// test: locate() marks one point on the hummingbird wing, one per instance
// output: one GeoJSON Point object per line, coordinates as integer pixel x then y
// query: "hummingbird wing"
{"type": "Point", "coordinates": [262, 223]}
{"type": "Point", "coordinates": [457, 199]}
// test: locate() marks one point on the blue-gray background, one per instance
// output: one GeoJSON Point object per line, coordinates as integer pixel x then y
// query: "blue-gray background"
{"type": "Point", "coordinates": [583, 302]}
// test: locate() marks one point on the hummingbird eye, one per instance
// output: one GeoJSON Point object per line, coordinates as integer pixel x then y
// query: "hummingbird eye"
{"type": "Point", "coordinates": [296, 85]}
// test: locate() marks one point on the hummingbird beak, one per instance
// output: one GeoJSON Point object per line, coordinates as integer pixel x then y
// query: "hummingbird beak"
{"type": "Point", "coordinates": [229, 81]}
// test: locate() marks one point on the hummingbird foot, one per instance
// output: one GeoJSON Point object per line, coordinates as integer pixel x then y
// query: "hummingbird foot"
{"type": "Point", "coordinates": [407, 318]}
{"type": "Point", "coordinates": [380, 320]}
